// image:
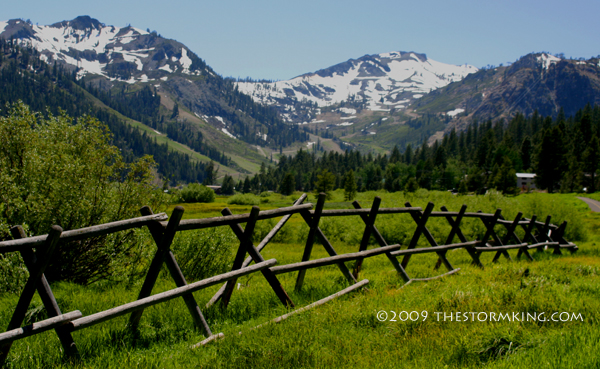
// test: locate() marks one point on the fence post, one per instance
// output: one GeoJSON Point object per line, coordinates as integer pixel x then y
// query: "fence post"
{"type": "Point", "coordinates": [314, 225]}
{"type": "Point", "coordinates": [241, 254]}
{"type": "Point", "coordinates": [46, 295]}
{"type": "Point", "coordinates": [369, 224]}
{"type": "Point", "coordinates": [35, 274]}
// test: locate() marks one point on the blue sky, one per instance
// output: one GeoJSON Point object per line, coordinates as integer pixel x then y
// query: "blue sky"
{"type": "Point", "coordinates": [282, 39]}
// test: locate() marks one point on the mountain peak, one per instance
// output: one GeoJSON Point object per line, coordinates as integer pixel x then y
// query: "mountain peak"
{"type": "Point", "coordinates": [382, 82]}
{"type": "Point", "coordinates": [82, 23]}
{"type": "Point", "coordinates": [89, 47]}
{"type": "Point", "coordinates": [402, 55]}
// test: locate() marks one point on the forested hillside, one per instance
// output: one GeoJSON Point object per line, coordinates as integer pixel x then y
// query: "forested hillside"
{"type": "Point", "coordinates": [25, 77]}
{"type": "Point", "coordinates": [126, 65]}
{"type": "Point", "coordinates": [563, 152]}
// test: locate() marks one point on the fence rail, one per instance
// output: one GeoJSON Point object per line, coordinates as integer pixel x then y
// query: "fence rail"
{"type": "Point", "coordinates": [538, 235]}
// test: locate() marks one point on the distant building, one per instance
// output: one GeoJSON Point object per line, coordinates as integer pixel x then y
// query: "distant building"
{"type": "Point", "coordinates": [217, 189]}
{"type": "Point", "coordinates": [526, 181]}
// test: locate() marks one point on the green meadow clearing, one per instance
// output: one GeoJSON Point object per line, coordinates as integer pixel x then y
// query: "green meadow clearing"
{"type": "Point", "coordinates": [346, 332]}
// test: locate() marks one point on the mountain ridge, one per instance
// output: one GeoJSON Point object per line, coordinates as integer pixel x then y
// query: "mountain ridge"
{"type": "Point", "coordinates": [197, 107]}
{"type": "Point", "coordinates": [370, 103]}
{"type": "Point", "coordinates": [380, 82]}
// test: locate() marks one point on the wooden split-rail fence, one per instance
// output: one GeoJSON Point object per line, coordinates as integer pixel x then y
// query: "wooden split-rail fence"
{"type": "Point", "coordinates": [37, 252]}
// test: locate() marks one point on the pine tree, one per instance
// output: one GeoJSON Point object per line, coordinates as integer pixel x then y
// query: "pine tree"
{"type": "Point", "coordinates": [462, 188]}
{"type": "Point", "coordinates": [395, 156]}
{"type": "Point", "coordinates": [247, 185]}
{"type": "Point", "coordinates": [210, 174]}
{"type": "Point", "coordinates": [228, 186]}
{"type": "Point", "coordinates": [350, 187]}
{"type": "Point", "coordinates": [175, 112]}
{"type": "Point", "coordinates": [525, 153]}
{"type": "Point", "coordinates": [288, 184]}
{"type": "Point", "coordinates": [550, 159]}
{"type": "Point", "coordinates": [325, 183]}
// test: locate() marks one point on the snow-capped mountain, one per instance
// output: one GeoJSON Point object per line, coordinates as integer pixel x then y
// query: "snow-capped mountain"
{"type": "Point", "coordinates": [107, 57]}
{"type": "Point", "coordinates": [117, 53]}
{"type": "Point", "coordinates": [382, 82]}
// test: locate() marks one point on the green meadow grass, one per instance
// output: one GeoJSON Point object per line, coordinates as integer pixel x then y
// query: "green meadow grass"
{"type": "Point", "coordinates": [346, 331]}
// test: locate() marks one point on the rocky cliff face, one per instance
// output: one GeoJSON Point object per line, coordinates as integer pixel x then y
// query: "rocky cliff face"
{"type": "Point", "coordinates": [539, 82]}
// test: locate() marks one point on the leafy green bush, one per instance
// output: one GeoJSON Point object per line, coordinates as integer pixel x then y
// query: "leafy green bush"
{"type": "Point", "coordinates": [205, 253]}
{"type": "Point", "coordinates": [195, 192]}
{"type": "Point", "coordinates": [244, 199]}
{"type": "Point", "coordinates": [56, 170]}
{"type": "Point", "coordinates": [13, 273]}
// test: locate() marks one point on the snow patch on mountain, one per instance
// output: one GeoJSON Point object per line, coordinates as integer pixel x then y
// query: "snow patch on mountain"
{"type": "Point", "coordinates": [224, 130]}
{"type": "Point", "coordinates": [347, 110]}
{"type": "Point", "coordinates": [455, 112]}
{"type": "Point", "coordinates": [547, 60]}
{"type": "Point", "coordinates": [382, 81]}
{"type": "Point", "coordinates": [117, 53]}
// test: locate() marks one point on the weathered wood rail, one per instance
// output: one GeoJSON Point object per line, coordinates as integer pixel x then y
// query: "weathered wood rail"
{"type": "Point", "coordinates": [537, 235]}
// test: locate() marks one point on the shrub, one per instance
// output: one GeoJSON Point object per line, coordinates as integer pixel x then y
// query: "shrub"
{"type": "Point", "coordinates": [195, 192]}
{"type": "Point", "coordinates": [56, 170]}
{"type": "Point", "coordinates": [205, 253]}
{"type": "Point", "coordinates": [13, 273]}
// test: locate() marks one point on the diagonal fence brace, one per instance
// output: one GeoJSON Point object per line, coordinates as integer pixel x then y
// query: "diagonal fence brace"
{"type": "Point", "coordinates": [163, 239]}
{"type": "Point", "coordinates": [558, 236]}
{"type": "Point", "coordinates": [421, 219]}
{"type": "Point", "coordinates": [308, 218]}
{"type": "Point", "coordinates": [528, 228]}
{"type": "Point", "coordinates": [240, 255]}
{"type": "Point", "coordinates": [369, 224]}
{"type": "Point", "coordinates": [310, 240]}
{"type": "Point", "coordinates": [490, 232]}
{"type": "Point", "coordinates": [46, 295]}
{"type": "Point", "coordinates": [36, 272]}
{"type": "Point", "coordinates": [217, 296]}
{"type": "Point", "coordinates": [544, 232]}
{"type": "Point", "coordinates": [455, 224]}
{"type": "Point", "coordinates": [510, 232]}
{"type": "Point", "coordinates": [257, 257]}
{"type": "Point", "coordinates": [382, 243]}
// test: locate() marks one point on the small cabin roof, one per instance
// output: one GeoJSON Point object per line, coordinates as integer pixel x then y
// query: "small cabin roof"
{"type": "Point", "coordinates": [525, 175]}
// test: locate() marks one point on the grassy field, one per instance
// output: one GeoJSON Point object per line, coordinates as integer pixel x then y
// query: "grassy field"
{"type": "Point", "coordinates": [347, 332]}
